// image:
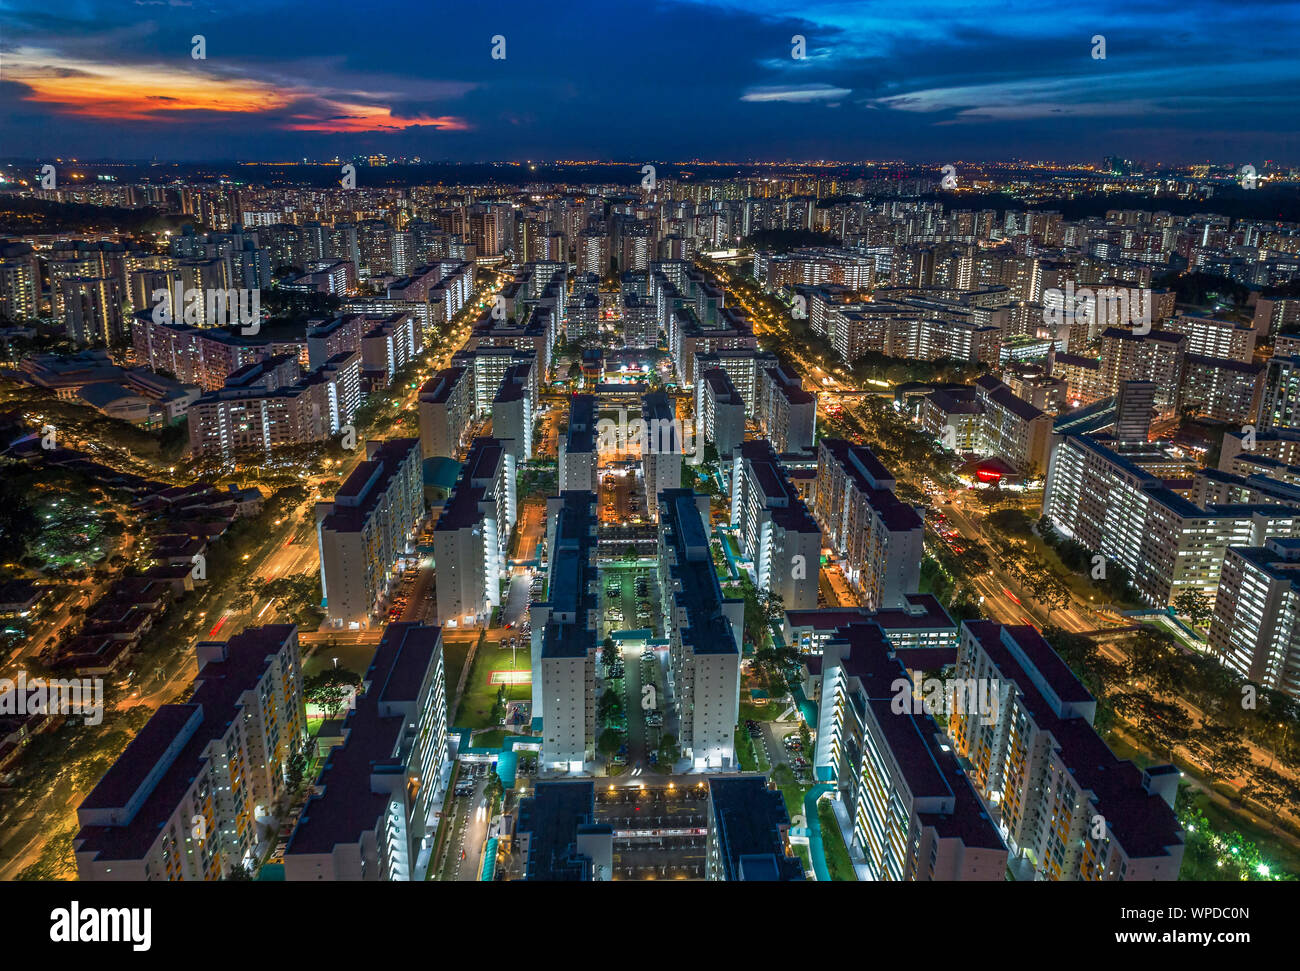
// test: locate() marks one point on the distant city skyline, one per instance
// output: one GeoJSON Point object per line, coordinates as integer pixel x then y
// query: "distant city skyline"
{"type": "Point", "coordinates": [694, 79]}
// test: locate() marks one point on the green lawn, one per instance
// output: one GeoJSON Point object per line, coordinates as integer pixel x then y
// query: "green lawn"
{"type": "Point", "coordinates": [745, 752]}
{"type": "Point", "coordinates": [769, 712]}
{"type": "Point", "coordinates": [492, 739]}
{"type": "Point", "coordinates": [793, 796]}
{"type": "Point", "coordinates": [454, 653]}
{"type": "Point", "coordinates": [476, 705]}
{"type": "Point", "coordinates": [352, 657]}
{"type": "Point", "coordinates": [804, 858]}
{"type": "Point", "coordinates": [837, 854]}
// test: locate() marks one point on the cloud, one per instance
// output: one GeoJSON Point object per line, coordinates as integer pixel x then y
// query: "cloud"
{"type": "Point", "coordinates": [339, 117]}
{"type": "Point", "coordinates": [798, 93]}
{"type": "Point", "coordinates": [122, 92]}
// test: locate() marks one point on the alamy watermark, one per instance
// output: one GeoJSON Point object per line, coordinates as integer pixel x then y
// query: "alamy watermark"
{"type": "Point", "coordinates": [1107, 306]}
{"type": "Point", "coordinates": [72, 697]}
{"type": "Point", "coordinates": [212, 307]}
{"type": "Point", "coordinates": [982, 697]}
{"type": "Point", "coordinates": [658, 436]}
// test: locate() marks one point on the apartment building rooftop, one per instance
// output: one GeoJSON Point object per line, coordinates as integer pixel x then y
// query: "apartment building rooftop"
{"type": "Point", "coordinates": [1142, 821]}
{"type": "Point", "coordinates": [581, 435]}
{"type": "Point", "coordinates": [708, 630]}
{"type": "Point", "coordinates": [750, 820]}
{"type": "Point", "coordinates": [152, 774]}
{"type": "Point", "coordinates": [553, 817]}
{"type": "Point", "coordinates": [571, 577]}
{"type": "Point", "coordinates": [361, 491]}
{"type": "Point", "coordinates": [344, 805]}
{"type": "Point", "coordinates": [461, 509]}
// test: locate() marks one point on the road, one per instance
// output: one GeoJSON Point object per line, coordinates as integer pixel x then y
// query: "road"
{"type": "Point", "coordinates": [637, 752]}
{"type": "Point", "coordinates": [473, 833]}
{"type": "Point", "coordinates": [530, 529]}
{"type": "Point", "coordinates": [994, 587]}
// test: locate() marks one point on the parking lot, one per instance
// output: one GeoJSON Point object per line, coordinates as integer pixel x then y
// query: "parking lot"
{"type": "Point", "coordinates": [629, 599]}
{"type": "Point", "coordinates": [411, 598]}
{"type": "Point", "coordinates": [660, 833]}
{"type": "Point", "coordinates": [621, 498]}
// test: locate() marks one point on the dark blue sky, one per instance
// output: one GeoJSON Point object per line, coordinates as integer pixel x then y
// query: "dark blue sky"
{"type": "Point", "coordinates": [939, 81]}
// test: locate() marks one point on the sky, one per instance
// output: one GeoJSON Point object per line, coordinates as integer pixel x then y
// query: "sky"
{"type": "Point", "coordinates": [666, 80]}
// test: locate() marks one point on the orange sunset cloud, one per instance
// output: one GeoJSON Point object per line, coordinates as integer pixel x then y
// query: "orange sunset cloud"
{"type": "Point", "coordinates": [161, 93]}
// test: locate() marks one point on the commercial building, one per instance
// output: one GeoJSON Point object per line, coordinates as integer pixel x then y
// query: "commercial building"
{"type": "Point", "coordinates": [367, 528]}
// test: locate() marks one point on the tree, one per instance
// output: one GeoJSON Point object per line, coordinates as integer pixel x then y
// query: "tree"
{"type": "Point", "coordinates": [1222, 751]}
{"type": "Point", "coordinates": [1008, 522]}
{"type": "Point", "coordinates": [1195, 606]}
{"type": "Point", "coordinates": [494, 789]}
{"type": "Point", "coordinates": [295, 769]}
{"type": "Point", "coordinates": [611, 739]}
{"type": "Point", "coordinates": [18, 524]}
{"type": "Point", "coordinates": [499, 706]}
{"type": "Point", "coordinates": [669, 750]}
{"type": "Point", "coordinates": [609, 653]}
{"type": "Point", "coordinates": [330, 688]}
{"type": "Point", "coordinates": [609, 707]}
